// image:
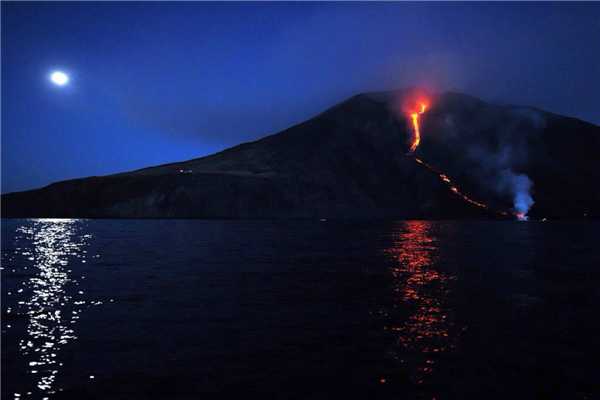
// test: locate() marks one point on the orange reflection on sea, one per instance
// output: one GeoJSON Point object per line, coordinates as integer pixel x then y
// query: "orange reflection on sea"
{"type": "Point", "coordinates": [422, 326]}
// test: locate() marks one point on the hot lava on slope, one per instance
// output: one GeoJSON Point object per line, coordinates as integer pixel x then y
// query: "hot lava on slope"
{"type": "Point", "coordinates": [414, 108]}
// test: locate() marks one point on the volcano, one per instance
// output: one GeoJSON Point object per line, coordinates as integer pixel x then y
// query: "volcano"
{"type": "Point", "coordinates": [358, 159]}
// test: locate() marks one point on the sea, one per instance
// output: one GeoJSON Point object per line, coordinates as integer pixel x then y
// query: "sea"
{"type": "Point", "coordinates": [299, 309]}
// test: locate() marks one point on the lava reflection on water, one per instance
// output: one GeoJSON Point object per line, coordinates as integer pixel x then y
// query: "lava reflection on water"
{"type": "Point", "coordinates": [421, 291]}
{"type": "Point", "coordinates": [47, 301]}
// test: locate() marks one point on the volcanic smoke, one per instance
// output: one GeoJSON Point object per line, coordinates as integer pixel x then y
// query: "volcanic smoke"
{"type": "Point", "coordinates": [415, 109]}
{"type": "Point", "coordinates": [519, 185]}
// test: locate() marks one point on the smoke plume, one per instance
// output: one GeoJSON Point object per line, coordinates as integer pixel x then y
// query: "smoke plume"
{"type": "Point", "coordinates": [503, 162]}
{"type": "Point", "coordinates": [519, 186]}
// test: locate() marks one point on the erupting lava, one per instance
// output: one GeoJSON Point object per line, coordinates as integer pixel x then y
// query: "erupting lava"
{"type": "Point", "coordinates": [414, 117]}
{"type": "Point", "coordinates": [414, 108]}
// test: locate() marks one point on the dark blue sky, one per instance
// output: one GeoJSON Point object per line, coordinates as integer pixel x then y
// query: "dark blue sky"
{"type": "Point", "coordinates": [160, 82]}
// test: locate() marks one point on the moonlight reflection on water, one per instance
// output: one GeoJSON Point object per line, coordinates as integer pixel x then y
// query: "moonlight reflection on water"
{"type": "Point", "coordinates": [49, 299]}
{"type": "Point", "coordinates": [252, 308]}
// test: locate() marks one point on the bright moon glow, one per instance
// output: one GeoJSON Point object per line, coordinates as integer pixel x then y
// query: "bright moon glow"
{"type": "Point", "coordinates": [59, 78]}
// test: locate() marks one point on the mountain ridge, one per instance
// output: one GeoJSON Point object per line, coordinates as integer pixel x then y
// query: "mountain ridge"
{"type": "Point", "coordinates": [350, 161]}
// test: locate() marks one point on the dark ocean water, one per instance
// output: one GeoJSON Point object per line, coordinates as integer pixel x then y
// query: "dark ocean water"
{"type": "Point", "coordinates": [151, 309]}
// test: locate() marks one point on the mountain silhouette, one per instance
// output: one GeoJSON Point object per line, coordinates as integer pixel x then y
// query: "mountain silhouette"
{"type": "Point", "coordinates": [351, 161]}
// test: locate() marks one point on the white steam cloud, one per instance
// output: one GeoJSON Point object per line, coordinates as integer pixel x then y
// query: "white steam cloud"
{"type": "Point", "coordinates": [519, 186]}
{"type": "Point", "coordinates": [500, 165]}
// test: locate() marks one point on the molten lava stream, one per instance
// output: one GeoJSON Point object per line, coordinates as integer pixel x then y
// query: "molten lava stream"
{"type": "Point", "coordinates": [417, 133]}
{"type": "Point", "coordinates": [415, 120]}
{"type": "Point", "coordinates": [414, 117]}
{"type": "Point", "coordinates": [448, 182]}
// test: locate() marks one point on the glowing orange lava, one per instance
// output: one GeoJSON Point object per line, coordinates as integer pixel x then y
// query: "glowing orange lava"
{"type": "Point", "coordinates": [414, 117]}
{"type": "Point", "coordinates": [415, 105]}
{"type": "Point", "coordinates": [448, 182]}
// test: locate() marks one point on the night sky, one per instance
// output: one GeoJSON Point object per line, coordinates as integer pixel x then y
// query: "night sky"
{"type": "Point", "coordinates": [160, 82]}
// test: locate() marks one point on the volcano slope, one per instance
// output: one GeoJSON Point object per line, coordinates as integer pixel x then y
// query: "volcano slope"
{"type": "Point", "coordinates": [351, 162]}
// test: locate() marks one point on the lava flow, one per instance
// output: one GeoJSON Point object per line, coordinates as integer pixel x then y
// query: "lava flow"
{"type": "Point", "coordinates": [448, 182]}
{"type": "Point", "coordinates": [414, 111]}
{"type": "Point", "coordinates": [414, 117]}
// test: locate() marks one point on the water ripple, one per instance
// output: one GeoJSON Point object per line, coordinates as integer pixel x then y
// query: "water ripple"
{"type": "Point", "coordinates": [48, 297]}
{"type": "Point", "coordinates": [419, 317]}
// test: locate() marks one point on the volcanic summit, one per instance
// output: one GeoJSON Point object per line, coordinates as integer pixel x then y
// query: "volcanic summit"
{"type": "Point", "coordinates": [456, 156]}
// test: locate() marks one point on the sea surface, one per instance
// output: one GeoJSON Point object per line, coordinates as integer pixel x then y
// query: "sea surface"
{"type": "Point", "coordinates": [190, 309]}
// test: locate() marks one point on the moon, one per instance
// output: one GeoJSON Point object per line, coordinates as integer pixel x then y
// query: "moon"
{"type": "Point", "coordinates": [59, 78]}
